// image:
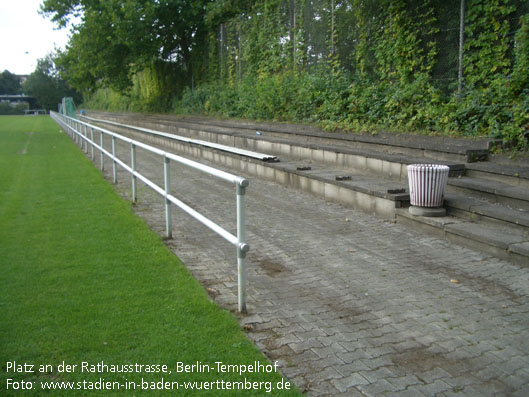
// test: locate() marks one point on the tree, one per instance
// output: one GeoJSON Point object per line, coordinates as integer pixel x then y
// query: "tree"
{"type": "Point", "coordinates": [95, 56]}
{"type": "Point", "coordinates": [46, 85]}
{"type": "Point", "coordinates": [116, 39]}
{"type": "Point", "coordinates": [9, 84]}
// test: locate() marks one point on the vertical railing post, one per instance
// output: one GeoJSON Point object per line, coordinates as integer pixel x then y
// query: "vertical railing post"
{"type": "Point", "coordinates": [167, 182]}
{"type": "Point", "coordinates": [242, 247]}
{"type": "Point", "coordinates": [85, 134]}
{"type": "Point", "coordinates": [114, 169]}
{"type": "Point", "coordinates": [101, 142]}
{"type": "Point", "coordinates": [133, 166]}
{"type": "Point", "coordinates": [92, 140]}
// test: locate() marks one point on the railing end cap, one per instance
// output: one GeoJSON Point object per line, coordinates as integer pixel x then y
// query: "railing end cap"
{"type": "Point", "coordinates": [244, 248]}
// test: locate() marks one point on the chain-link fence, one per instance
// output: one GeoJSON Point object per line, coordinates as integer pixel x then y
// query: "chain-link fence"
{"type": "Point", "coordinates": [306, 33]}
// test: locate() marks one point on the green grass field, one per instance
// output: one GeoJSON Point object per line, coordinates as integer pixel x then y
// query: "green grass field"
{"type": "Point", "coordinates": [84, 280]}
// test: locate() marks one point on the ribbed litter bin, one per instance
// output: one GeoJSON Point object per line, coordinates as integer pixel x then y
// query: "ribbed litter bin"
{"type": "Point", "coordinates": [427, 184]}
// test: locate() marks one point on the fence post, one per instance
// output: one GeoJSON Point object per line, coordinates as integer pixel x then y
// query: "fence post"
{"type": "Point", "coordinates": [133, 166]}
{"type": "Point", "coordinates": [114, 170]}
{"type": "Point", "coordinates": [92, 140]}
{"type": "Point", "coordinates": [242, 247]}
{"type": "Point", "coordinates": [167, 181]}
{"type": "Point", "coordinates": [102, 157]}
{"type": "Point", "coordinates": [85, 142]}
{"type": "Point", "coordinates": [74, 128]}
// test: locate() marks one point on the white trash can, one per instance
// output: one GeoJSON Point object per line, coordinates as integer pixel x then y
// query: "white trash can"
{"type": "Point", "coordinates": [427, 184]}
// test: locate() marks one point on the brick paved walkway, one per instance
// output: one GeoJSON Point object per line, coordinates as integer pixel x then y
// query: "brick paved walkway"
{"type": "Point", "coordinates": [349, 304]}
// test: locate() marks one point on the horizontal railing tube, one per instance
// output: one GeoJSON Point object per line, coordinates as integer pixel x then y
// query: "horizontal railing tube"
{"type": "Point", "coordinates": [77, 130]}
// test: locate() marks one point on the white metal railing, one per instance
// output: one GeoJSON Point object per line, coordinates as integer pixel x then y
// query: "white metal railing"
{"type": "Point", "coordinates": [83, 134]}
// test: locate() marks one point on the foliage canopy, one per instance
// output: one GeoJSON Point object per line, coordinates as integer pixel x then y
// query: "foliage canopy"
{"type": "Point", "coordinates": [47, 86]}
{"type": "Point", "coordinates": [9, 84]}
{"type": "Point", "coordinates": [341, 63]}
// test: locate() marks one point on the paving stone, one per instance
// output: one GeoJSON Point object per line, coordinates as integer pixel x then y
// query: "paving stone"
{"type": "Point", "coordinates": [349, 357]}
{"type": "Point", "coordinates": [305, 357]}
{"type": "Point", "coordinates": [434, 374]}
{"type": "Point", "coordinates": [326, 375]}
{"type": "Point", "coordinates": [377, 388]}
{"type": "Point", "coordinates": [434, 388]}
{"type": "Point", "coordinates": [450, 393]}
{"type": "Point", "coordinates": [344, 384]}
{"type": "Point", "coordinates": [326, 351]}
{"type": "Point", "coordinates": [348, 369]}
{"type": "Point", "coordinates": [349, 393]}
{"type": "Point", "coordinates": [374, 376]}
{"type": "Point", "coordinates": [452, 344]}
{"type": "Point", "coordinates": [305, 345]}
{"type": "Point", "coordinates": [411, 391]}
{"type": "Point", "coordinates": [287, 339]}
{"type": "Point", "coordinates": [402, 382]}
{"type": "Point", "coordinates": [323, 389]}
{"type": "Point", "coordinates": [521, 393]}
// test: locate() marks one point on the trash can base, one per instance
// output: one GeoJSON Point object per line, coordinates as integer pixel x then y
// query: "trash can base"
{"type": "Point", "coordinates": [427, 211]}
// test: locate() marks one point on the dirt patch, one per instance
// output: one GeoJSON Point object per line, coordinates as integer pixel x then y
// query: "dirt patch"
{"type": "Point", "coordinates": [421, 359]}
{"type": "Point", "coordinates": [344, 310]}
{"type": "Point", "coordinates": [270, 267]}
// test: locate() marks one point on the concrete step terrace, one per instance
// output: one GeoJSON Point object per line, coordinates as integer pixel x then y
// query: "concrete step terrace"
{"type": "Point", "coordinates": [486, 212]}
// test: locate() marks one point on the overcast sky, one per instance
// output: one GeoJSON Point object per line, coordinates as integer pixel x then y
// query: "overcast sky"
{"type": "Point", "coordinates": [26, 36]}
